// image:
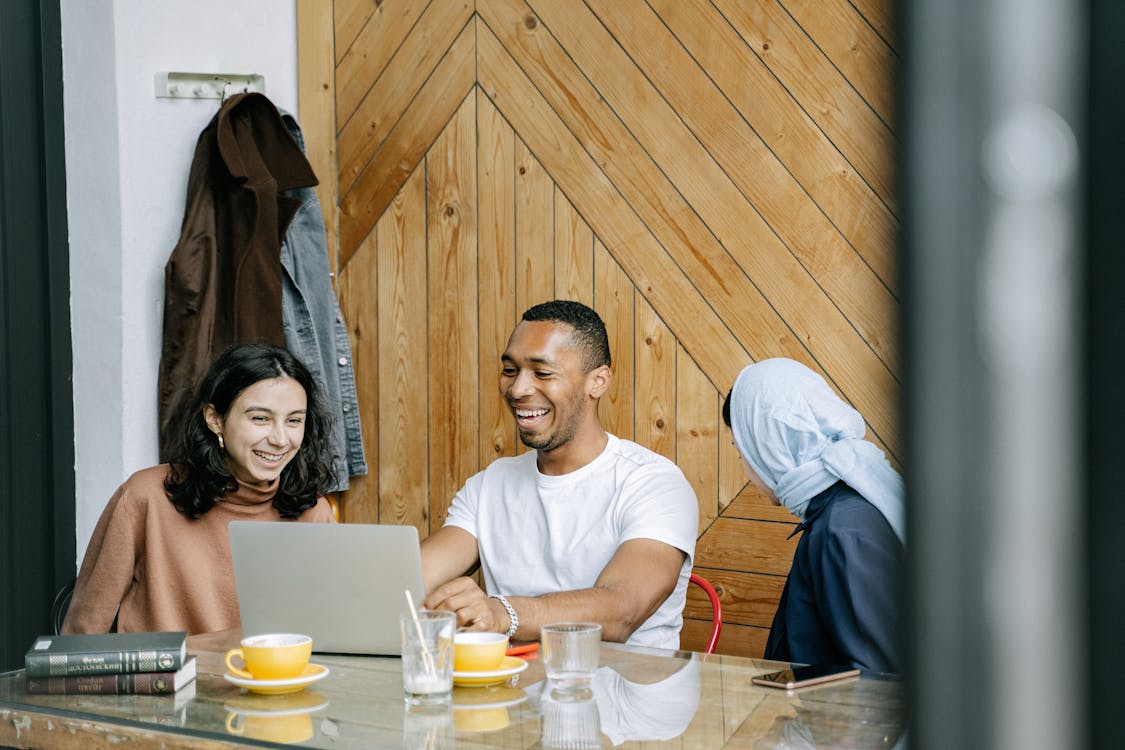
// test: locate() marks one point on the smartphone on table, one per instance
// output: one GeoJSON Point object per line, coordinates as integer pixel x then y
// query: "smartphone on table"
{"type": "Point", "coordinates": [799, 677]}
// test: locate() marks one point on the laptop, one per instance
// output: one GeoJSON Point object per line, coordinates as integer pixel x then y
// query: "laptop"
{"type": "Point", "coordinates": [342, 584]}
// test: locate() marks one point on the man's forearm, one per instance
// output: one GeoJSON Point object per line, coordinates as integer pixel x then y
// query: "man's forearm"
{"type": "Point", "coordinates": [618, 613]}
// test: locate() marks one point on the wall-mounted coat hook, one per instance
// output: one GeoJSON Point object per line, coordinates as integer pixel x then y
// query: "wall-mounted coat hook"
{"type": "Point", "coordinates": [207, 85]}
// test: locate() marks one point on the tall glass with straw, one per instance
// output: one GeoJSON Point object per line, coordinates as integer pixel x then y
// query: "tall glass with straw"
{"type": "Point", "coordinates": [427, 654]}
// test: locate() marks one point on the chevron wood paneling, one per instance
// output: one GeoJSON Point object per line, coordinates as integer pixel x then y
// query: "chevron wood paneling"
{"type": "Point", "coordinates": [715, 177]}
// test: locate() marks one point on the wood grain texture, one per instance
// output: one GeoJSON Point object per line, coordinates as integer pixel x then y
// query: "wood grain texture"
{"type": "Point", "coordinates": [879, 15]}
{"type": "Point", "coordinates": [732, 475]}
{"type": "Point", "coordinates": [359, 302]}
{"type": "Point", "coordinates": [316, 93]}
{"type": "Point", "coordinates": [452, 309]}
{"type": "Point", "coordinates": [48, 728]}
{"type": "Point", "coordinates": [535, 229]}
{"type": "Point", "coordinates": [697, 436]}
{"type": "Point", "coordinates": [403, 358]}
{"type": "Point", "coordinates": [714, 178]}
{"type": "Point", "coordinates": [654, 382]}
{"type": "Point", "coordinates": [365, 59]}
{"type": "Point", "coordinates": [348, 18]}
{"type": "Point", "coordinates": [825, 336]}
{"type": "Point", "coordinates": [496, 251]}
{"type": "Point", "coordinates": [803, 186]}
{"type": "Point", "coordinates": [737, 544]}
{"type": "Point", "coordinates": [651, 270]}
{"type": "Point", "coordinates": [759, 112]}
{"type": "Point", "coordinates": [819, 88]}
{"type": "Point", "coordinates": [614, 301]}
{"type": "Point", "coordinates": [574, 253]}
{"type": "Point", "coordinates": [853, 46]}
{"type": "Point", "coordinates": [408, 140]}
{"type": "Point", "coordinates": [747, 598]}
{"type": "Point", "coordinates": [413, 65]}
{"type": "Point", "coordinates": [752, 505]}
{"type": "Point", "coordinates": [737, 640]}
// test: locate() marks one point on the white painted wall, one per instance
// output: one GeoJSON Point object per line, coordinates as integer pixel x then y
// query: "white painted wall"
{"type": "Point", "coordinates": [128, 155]}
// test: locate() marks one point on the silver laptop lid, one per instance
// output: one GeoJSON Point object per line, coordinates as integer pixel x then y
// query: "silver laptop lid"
{"type": "Point", "coordinates": [342, 584]}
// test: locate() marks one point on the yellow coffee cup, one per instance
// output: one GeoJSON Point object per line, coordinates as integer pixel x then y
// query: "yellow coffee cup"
{"type": "Point", "coordinates": [480, 719]}
{"type": "Point", "coordinates": [271, 656]}
{"type": "Point", "coordinates": [285, 728]}
{"type": "Point", "coordinates": [478, 652]}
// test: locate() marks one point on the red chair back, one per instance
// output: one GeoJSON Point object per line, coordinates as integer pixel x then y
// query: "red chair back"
{"type": "Point", "coordinates": [716, 610]}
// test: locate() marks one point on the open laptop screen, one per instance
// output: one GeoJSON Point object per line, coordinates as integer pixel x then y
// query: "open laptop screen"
{"type": "Point", "coordinates": [342, 584]}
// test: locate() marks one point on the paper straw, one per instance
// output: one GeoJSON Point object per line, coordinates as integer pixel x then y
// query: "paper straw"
{"type": "Point", "coordinates": [427, 659]}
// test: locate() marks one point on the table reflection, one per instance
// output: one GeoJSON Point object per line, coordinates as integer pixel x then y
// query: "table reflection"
{"type": "Point", "coordinates": [623, 703]}
{"type": "Point", "coordinates": [637, 695]}
{"type": "Point", "coordinates": [814, 720]}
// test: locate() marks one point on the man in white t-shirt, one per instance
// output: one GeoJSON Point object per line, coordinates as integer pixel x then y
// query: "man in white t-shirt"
{"type": "Point", "coordinates": [588, 527]}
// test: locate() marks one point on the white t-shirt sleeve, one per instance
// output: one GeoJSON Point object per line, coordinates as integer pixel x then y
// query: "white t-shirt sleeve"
{"type": "Point", "coordinates": [463, 510]}
{"type": "Point", "coordinates": [658, 503]}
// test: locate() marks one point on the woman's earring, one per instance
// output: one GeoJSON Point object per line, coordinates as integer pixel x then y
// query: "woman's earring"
{"type": "Point", "coordinates": [222, 445]}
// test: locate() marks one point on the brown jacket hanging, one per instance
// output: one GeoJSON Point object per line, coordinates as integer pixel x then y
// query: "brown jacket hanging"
{"type": "Point", "coordinates": [222, 283]}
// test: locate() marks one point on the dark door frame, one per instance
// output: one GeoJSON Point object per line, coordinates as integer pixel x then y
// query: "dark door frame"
{"type": "Point", "coordinates": [37, 529]}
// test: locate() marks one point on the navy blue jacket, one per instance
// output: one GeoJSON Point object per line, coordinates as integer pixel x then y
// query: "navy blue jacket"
{"type": "Point", "coordinates": [841, 604]}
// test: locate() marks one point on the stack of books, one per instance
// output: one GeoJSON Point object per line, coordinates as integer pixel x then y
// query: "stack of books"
{"type": "Point", "coordinates": [154, 663]}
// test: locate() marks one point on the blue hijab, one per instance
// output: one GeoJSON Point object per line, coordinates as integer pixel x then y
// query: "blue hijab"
{"type": "Point", "coordinates": [800, 438]}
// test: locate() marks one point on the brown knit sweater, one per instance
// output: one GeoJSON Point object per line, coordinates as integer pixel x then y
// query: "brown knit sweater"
{"type": "Point", "coordinates": [156, 569]}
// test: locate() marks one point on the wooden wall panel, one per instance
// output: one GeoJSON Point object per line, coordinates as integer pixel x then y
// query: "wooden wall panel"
{"type": "Point", "coordinates": [749, 598]}
{"type": "Point", "coordinates": [713, 176]}
{"type": "Point", "coordinates": [818, 88]}
{"type": "Point", "coordinates": [652, 270]}
{"type": "Point", "coordinates": [654, 382]}
{"type": "Point", "coordinates": [360, 310]}
{"type": "Point", "coordinates": [574, 253]}
{"type": "Point", "coordinates": [366, 50]}
{"type": "Point", "coordinates": [349, 18]}
{"type": "Point", "coordinates": [725, 547]}
{"type": "Point", "coordinates": [496, 268]}
{"type": "Point", "coordinates": [366, 122]}
{"type": "Point", "coordinates": [316, 94]}
{"type": "Point", "coordinates": [402, 357]}
{"type": "Point", "coordinates": [697, 436]}
{"type": "Point", "coordinates": [535, 265]}
{"type": "Point", "coordinates": [613, 299]}
{"type": "Point", "coordinates": [854, 46]}
{"type": "Point", "coordinates": [452, 310]}
{"type": "Point", "coordinates": [364, 197]}
{"type": "Point", "coordinates": [762, 114]}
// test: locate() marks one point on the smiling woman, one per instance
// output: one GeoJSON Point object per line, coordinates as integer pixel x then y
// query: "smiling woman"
{"type": "Point", "coordinates": [262, 430]}
{"type": "Point", "coordinates": [252, 448]}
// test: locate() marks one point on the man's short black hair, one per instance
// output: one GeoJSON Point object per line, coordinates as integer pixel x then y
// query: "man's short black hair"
{"type": "Point", "coordinates": [589, 329]}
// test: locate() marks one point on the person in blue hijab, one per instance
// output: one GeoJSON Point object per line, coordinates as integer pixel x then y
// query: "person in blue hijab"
{"type": "Point", "coordinates": [805, 449]}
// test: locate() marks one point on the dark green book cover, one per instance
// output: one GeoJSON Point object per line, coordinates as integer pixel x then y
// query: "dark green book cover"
{"type": "Point", "coordinates": [120, 683]}
{"type": "Point", "coordinates": [106, 653]}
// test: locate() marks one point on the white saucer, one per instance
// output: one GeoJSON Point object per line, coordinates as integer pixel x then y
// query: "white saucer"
{"type": "Point", "coordinates": [511, 665]}
{"type": "Point", "coordinates": [279, 712]}
{"type": "Point", "coordinates": [481, 706]}
{"type": "Point", "coordinates": [313, 673]}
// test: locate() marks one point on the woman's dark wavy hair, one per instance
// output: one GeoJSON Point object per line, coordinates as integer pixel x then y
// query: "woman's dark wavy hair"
{"type": "Point", "coordinates": [200, 476]}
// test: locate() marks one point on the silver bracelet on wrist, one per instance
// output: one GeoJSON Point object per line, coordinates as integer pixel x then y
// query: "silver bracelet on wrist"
{"type": "Point", "coordinates": [512, 616]}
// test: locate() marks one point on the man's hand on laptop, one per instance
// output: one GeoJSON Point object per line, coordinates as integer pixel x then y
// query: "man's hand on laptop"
{"type": "Point", "coordinates": [475, 610]}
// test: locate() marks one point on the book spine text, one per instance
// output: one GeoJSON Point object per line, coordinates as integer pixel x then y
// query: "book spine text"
{"type": "Point", "coordinates": [105, 662]}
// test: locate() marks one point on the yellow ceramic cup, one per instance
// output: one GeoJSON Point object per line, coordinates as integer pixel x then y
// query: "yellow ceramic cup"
{"type": "Point", "coordinates": [272, 656]}
{"type": "Point", "coordinates": [283, 729]}
{"type": "Point", "coordinates": [478, 652]}
{"type": "Point", "coordinates": [480, 719]}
